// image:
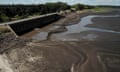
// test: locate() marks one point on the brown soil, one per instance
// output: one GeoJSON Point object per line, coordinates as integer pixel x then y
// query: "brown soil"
{"type": "Point", "coordinates": [29, 55]}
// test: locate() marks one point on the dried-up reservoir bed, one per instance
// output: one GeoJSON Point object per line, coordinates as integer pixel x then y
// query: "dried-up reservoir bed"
{"type": "Point", "coordinates": [86, 42]}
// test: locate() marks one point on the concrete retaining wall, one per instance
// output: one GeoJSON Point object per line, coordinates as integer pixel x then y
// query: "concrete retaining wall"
{"type": "Point", "coordinates": [25, 25]}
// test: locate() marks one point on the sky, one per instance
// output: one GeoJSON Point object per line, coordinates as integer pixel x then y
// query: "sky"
{"type": "Point", "coordinates": [89, 2]}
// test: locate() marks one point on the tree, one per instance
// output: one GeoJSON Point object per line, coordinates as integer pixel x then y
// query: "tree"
{"type": "Point", "coordinates": [79, 6]}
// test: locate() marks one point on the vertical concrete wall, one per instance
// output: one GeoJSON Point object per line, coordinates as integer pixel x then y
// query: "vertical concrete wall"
{"type": "Point", "coordinates": [25, 25]}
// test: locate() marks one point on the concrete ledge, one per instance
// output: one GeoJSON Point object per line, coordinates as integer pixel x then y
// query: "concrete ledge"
{"type": "Point", "coordinates": [22, 26]}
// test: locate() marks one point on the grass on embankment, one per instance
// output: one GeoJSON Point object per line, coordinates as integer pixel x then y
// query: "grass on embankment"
{"type": "Point", "coordinates": [95, 10]}
{"type": "Point", "coordinates": [100, 9]}
{"type": "Point", "coordinates": [3, 30]}
{"type": "Point", "coordinates": [5, 18]}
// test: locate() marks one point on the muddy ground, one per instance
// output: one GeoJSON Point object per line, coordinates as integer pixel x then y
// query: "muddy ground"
{"type": "Point", "coordinates": [54, 48]}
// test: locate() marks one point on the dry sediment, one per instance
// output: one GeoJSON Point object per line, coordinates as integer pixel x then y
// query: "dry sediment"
{"type": "Point", "coordinates": [26, 55]}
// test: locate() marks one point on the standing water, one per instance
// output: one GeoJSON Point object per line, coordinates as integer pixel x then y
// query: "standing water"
{"type": "Point", "coordinates": [73, 31]}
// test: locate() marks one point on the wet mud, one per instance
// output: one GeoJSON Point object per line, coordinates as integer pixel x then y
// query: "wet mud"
{"type": "Point", "coordinates": [90, 44]}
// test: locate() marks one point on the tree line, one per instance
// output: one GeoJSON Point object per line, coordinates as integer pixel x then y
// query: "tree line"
{"type": "Point", "coordinates": [11, 12]}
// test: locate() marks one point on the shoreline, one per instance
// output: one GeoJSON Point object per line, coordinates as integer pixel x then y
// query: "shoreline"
{"type": "Point", "coordinates": [25, 54]}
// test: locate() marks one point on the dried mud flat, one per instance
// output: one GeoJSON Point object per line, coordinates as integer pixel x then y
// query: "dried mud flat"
{"type": "Point", "coordinates": [58, 48]}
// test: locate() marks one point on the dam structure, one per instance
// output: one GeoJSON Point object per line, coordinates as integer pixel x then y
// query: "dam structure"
{"type": "Point", "coordinates": [20, 27]}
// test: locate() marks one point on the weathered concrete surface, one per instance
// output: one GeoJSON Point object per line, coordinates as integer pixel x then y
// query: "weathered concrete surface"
{"type": "Point", "coordinates": [25, 25]}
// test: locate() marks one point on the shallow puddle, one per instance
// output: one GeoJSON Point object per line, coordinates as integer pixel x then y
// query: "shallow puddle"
{"type": "Point", "coordinates": [41, 36]}
{"type": "Point", "coordinates": [73, 32]}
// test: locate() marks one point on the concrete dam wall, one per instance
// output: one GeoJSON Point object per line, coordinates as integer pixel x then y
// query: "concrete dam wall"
{"type": "Point", "coordinates": [20, 27]}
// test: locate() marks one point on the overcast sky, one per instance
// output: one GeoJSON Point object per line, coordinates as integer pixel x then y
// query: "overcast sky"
{"type": "Point", "coordinates": [90, 2]}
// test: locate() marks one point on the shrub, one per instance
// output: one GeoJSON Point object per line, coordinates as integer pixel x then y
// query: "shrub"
{"type": "Point", "coordinates": [4, 18]}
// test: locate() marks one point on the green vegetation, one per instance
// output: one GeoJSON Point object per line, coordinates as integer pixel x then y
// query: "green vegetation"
{"type": "Point", "coordinates": [4, 17]}
{"type": "Point", "coordinates": [14, 12]}
{"type": "Point", "coordinates": [100, 9]}
{"type": "Point", "coordinates": [81, 7]}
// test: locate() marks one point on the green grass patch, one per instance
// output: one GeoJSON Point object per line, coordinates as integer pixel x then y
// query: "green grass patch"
{"type": "Point", "coordinates": [4, 18]}
{"type": "Point", "coordinates": [100, 9]}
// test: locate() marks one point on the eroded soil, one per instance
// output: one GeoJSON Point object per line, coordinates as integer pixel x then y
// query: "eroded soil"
{"type": "Point", "coordinates": [66, 46]}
